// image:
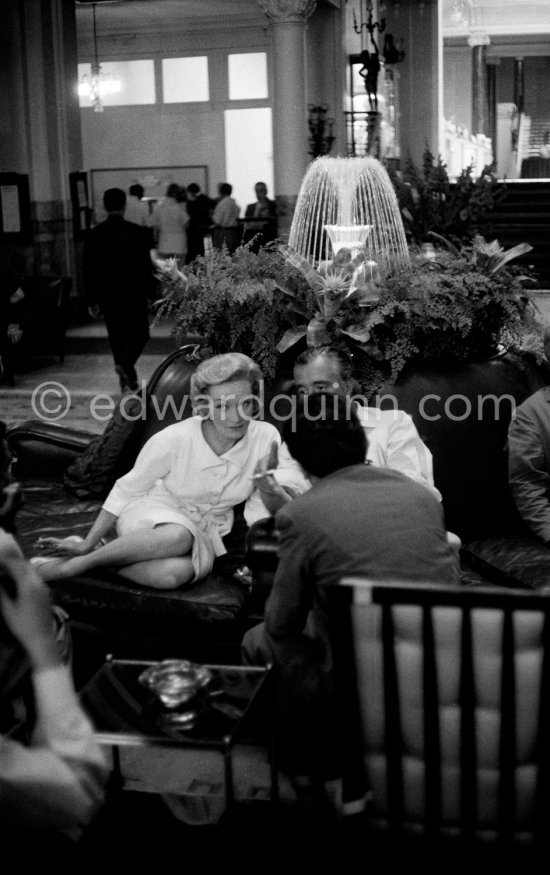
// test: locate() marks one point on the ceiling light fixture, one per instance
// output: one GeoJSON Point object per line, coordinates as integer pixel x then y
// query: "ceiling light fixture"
{"type": "Point", "coordinates": [98, 85]}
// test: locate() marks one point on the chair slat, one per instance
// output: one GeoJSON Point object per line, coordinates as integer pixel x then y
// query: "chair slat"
{"type": "Point", "coordinates": [507, 746]}
{"type": "Point", "coordinates": [468, 745]}
{"type": "Point", "coordinates": [392, 721]}
{"type": "Point", "coordinates": [432, 741]}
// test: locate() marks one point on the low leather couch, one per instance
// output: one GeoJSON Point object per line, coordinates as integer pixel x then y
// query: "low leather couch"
{"type": "Point", "coordinates": [204, 621]}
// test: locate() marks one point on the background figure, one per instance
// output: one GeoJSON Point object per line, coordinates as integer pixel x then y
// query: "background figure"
{"type": "Point", "coordinates": [119, 281]}
{"type": "Point", "coordinates": [199, 207]}
{"type": "Point", "coordinates": [226, 220]}
{"type": "Point", "coordinates": [262, 219]}
{"type": "Point", "coordinates": [11, 316]}
{"type": "Point", "coordinates": [529, 458]}
{"type": "Point", "coordinates": [169, 222]}
{"type": "Point", "coordinates": [137, 210]}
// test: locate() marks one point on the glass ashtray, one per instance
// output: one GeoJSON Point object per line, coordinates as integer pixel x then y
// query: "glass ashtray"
{"type": "Point", "coordinates": [176, 682]}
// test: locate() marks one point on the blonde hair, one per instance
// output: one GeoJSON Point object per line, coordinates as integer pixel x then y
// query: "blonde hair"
{"type": "Point", "coordinates": [222, 369]}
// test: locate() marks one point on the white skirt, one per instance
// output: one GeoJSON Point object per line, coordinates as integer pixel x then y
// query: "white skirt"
{"type": "Point", "coordinates": [203, 523]}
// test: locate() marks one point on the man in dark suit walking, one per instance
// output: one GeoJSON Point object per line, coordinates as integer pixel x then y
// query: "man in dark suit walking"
{"type": "Point", "coordinates": [119, 282]}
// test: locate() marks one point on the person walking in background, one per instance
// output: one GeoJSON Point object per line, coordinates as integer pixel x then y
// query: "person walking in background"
{"type": "Point", "coordinates": [137, 210]}
{"type": "Point", "coordinates": [261, 225]}
{"type": "Point", "coordinates": [199, 207]}
{"type": "Point", "coordinates": [119, 282]}
{"type": "Point", "coordinates": [226, 220]}
{"type": "Point", "coordinates": [169, 222]}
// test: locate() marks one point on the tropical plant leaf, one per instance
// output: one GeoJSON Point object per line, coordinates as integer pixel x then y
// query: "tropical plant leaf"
{"type": "Point", "coordinates": [303, 265]}
{"type": "Point", "coordinates": [290, 337]}
{"type": "Point", "coordinates": [447, 243]}
{"type": "Point", "coordinates": [356, 332]}
{"type": "Point", "coordinates": [514, 252]}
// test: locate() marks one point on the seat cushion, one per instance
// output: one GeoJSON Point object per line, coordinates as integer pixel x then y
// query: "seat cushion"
{"type": "Point", "coordinates": [212, 609]}
{"type": "Point", "coordinates": [510, 560]}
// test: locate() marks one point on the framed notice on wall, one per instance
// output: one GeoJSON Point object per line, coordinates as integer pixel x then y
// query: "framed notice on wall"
{"type": "Point", "coordinates": [155, 181]}
{"type": "Point", "coordinates": [80, 202]}
{"type": "Point", "coordinates": [15, 208]}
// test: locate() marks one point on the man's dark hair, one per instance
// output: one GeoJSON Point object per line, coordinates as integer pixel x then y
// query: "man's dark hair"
{"type": "Point", "coordinates": [225, 189]}
{"type": "Point", "coordinates": [114, 200]}
{"type": "Point", "coordinates": [193, 187]}
{"type": "Point", "coordinates": [137, 190]}
{"type": "Point", "coordinates": [325, 434]}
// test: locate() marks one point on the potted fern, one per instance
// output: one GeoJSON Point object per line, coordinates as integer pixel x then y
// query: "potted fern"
{"type": "Point", "coordinates": [461, 306]}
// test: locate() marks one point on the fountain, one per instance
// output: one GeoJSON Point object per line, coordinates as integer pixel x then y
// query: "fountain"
{"type": "Point", "coordinates": [349, 193]}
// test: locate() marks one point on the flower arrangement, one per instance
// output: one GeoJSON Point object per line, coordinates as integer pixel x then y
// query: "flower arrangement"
{"type": "Point", "coordinates": [459, 306]}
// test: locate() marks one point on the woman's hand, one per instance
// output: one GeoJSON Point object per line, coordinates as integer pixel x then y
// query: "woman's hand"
{"type": "Point", "coordinates": [273, 495]}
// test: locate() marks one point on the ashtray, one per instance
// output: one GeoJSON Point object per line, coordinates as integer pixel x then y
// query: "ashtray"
{"type": "Point", "coordinates": [176, 682]}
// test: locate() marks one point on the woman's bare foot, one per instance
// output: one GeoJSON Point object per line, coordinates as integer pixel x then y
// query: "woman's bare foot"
{"type": "Point", "coordinates": [48, 567]}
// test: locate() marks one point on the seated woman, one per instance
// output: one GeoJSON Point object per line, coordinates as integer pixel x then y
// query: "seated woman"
{"type": "Point", "coordinates": [173, 508]}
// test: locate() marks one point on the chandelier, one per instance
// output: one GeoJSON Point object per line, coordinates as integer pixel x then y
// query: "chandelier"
{"type": "Point", "coordinates": [98, 85]}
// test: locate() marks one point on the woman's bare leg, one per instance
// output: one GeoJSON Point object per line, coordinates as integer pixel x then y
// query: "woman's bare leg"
{"type": "Point", "coordinates": [160, 573]}
{"type": "Point", "coordinates": [162, 542]}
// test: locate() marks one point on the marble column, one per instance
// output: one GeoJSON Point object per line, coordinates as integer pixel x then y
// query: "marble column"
{"type": "Point", "coordinates": [480, 105]}
{"type": "Point", "coordinates": [420, 89]}
{"type": "Point", "coordinates": [287, 24]}
{"type": "Point", "coordinates": [39, 106]}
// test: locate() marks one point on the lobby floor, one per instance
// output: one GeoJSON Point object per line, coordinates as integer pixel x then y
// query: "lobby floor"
{"type": "Point", "coordinates": [64, 393]}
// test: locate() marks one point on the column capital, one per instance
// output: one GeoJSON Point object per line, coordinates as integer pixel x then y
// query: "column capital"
{"type": "Point", "coordinates": [479, 38]}
{"type": "Point", "coordinates": [279, 11]}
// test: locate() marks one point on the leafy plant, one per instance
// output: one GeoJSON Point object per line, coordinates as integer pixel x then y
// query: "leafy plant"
{"type": "Point", "coordinates": [242, 302]}
{"type": "Point", "coordinates": [430, 202]}
{"type": "Point", "coordinates": [460, 306]}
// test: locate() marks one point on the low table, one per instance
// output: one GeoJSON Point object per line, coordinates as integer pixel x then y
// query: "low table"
{"type": "Point", "coordinates": [124, 712]}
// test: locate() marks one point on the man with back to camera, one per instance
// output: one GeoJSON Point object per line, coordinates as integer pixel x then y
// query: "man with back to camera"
{"type": "Point", "coordinates": [225, 220]}
{"type": "Point", "coordinates": [199, 207]}
{"type": "Point", "coordinates": [357, 519]}
{"type": "Point", "coordinates": [119, 282]}
{"type": "Point", "coordinates": [137, 210]}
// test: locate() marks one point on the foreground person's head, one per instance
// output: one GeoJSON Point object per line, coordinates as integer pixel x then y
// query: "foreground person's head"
{"type": "Point", "coordinates": [323, 369]}
{"type": "Point", "coordinates": [224, 390]}
{"type": "Point", "coordinates": [325, 434]}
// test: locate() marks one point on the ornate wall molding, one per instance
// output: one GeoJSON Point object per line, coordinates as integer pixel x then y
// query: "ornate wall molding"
{"type": "Point", "coordinates": [279, 11]}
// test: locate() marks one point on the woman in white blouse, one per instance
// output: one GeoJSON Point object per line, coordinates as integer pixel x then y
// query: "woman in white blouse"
{"type": "Point", "coordinates": [173, 508]}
